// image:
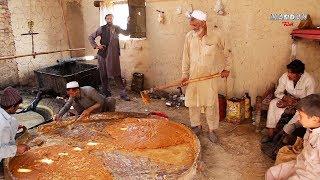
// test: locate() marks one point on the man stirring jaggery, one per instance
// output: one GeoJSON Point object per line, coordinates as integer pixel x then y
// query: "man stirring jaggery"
{"type": "Point", "coordinates": [85, 100]}
{"type": "Point", "coordinates": [203, 55]}
{"type": "Point", "coordinates": [9, 102]}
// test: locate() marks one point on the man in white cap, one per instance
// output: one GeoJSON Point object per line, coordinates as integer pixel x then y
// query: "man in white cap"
{"type": "Point", "coordinates": [10, 101]}
{"type": "Point", "coordinates": [203, 55]}
{"type": "Point", "coordinates": [85, 100]}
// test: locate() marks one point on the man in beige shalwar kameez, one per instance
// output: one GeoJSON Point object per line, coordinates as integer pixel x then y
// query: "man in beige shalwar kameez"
{"type": "Point", "coordinates": [202, 56]}
{"type": "Point", "coordinates": [307, 165]}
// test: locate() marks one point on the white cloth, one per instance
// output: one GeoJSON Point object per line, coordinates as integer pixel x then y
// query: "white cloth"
{"type": "Point", "coordinates": [212, 116]}
{"type": "Point", "coordinates": [304, 87]}
{"type": "Point", "coordinates": [218, 8]}
{"type": "Point", "coordinates": [293, 50]}
{"type": "Point", "coordinates": [8, 129]}
{"type": "Point", "coordinates": [307, 165]}
{"type": "Point", "coordinates": [202, 57]}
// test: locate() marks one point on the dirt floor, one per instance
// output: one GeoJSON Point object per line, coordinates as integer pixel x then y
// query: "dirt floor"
{"type": "Point", "coordinates": [236, 156]}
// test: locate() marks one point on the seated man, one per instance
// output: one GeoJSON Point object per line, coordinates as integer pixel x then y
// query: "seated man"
{"type": "Point", "coordinates": [85, 100]}
{"type": "Point", "coordinates": [9, 126]}
{"type": "Point", "coordinates": [293, 85]}
{"type": "Point", "coordinates": [307, 164]}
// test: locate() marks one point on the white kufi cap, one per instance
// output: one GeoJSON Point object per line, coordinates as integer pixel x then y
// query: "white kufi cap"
{"type": "Point", "coordinates": [72, 84]}
{"type": "Point", "coordinates": [197, 14]}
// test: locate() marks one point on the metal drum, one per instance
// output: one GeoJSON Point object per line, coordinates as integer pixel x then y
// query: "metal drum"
{"type": "Point", "coordinates": [55, 78]}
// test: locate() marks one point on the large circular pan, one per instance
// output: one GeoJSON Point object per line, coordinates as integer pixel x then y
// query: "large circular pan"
{"type": "Point", "coordinates": [108, 146]}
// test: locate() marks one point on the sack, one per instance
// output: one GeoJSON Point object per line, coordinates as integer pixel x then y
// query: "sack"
{"type": "Point", "coordinates": [285, 154]}
{"type": "Point", "coordinates": [235, 110]}
{"type": "Point", "coordinates": [289, 153]}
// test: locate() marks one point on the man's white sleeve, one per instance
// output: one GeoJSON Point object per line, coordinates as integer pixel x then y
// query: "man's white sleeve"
{"type": "Point", "coordinates": [279, 93]}
{"type": "Point", "coordinates": [7, 149]}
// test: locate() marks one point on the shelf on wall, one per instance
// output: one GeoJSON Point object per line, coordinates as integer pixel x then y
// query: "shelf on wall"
{"type": "Point", "coordinates": [311, 34]}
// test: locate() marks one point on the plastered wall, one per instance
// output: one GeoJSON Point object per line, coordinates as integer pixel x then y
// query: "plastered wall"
{"type": "Point", "coordinates": [8, 68]}
{"type": "Point", "coordinates": [48, 22]}
{"type": "Point", "coordinates": [260, 47]}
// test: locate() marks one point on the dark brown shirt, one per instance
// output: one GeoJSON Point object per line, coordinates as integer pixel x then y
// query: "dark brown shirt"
{"type": "Point", "coordinates": [88, 97]}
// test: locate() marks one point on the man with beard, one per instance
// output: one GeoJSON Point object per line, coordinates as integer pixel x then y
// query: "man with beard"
{"type": "Point", "coordinates": [203, 55]}
{"type": "Point", "coordinates": [108, 55]}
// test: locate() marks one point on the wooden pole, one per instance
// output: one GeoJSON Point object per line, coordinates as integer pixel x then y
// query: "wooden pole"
{"type": "Point", "coordinates": [65, 24]}
{"type": "Point", "coordinates": [40, 53]}
{"type": "Point", "coordinates": [226, 87]}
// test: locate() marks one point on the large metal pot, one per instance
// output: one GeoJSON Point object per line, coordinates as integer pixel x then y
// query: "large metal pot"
{"type": "Point", "coordinates": [188, 173]}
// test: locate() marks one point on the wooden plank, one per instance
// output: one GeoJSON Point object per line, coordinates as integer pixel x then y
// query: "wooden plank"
{"type": "Point", "coordinates": [40, 53]}
{"type": "Point", "coordinates": [136, 2]}
{"type": "Point", "coordinates": [147, 1]}
{"type": "Point", "coordinates": [137, 13]}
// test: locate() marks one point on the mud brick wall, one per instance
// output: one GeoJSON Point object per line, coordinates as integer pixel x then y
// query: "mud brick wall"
{"type": "Point", "coordinates": [8, 68]}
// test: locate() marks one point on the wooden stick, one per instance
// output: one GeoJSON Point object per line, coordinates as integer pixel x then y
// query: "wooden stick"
{"type": "Point", "coordinates": [226, 87]}
{"type": "Point", "coordinates": [40, 53]}
{"type": "Point", "coordinates": [203, 78]}
{"type": "Point", "coordinates": [65, 23]}
{"type": "Point", "coordinates": [187, 82]}
{"type": "Point", "coordinates": [145, 94]}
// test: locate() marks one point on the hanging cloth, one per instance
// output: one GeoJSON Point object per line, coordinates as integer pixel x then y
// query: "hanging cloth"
{"type": "Point", "coordinates": [293, 50]}
{"type": "Point", "coordinates": [218, 8]}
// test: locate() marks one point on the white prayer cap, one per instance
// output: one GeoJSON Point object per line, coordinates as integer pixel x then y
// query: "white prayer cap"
{"type": "Point", "coordinates": [197, 14]}
{"type": "Point", "coordinates": [72, 84]}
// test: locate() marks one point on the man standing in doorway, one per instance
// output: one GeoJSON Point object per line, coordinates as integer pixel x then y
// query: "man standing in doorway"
{"type": "Point", "coordinates": [203, 55]}
{"type": "Point", "coordinates": [108, 55]}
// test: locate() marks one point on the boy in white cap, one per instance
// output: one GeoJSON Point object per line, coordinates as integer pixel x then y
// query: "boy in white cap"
{"type": "Point", "coordinates": [10, 101]}
{"type": "Point", "coordinates": [85, 100]}
{"type": "Point", "coordinates": [202, 56]}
